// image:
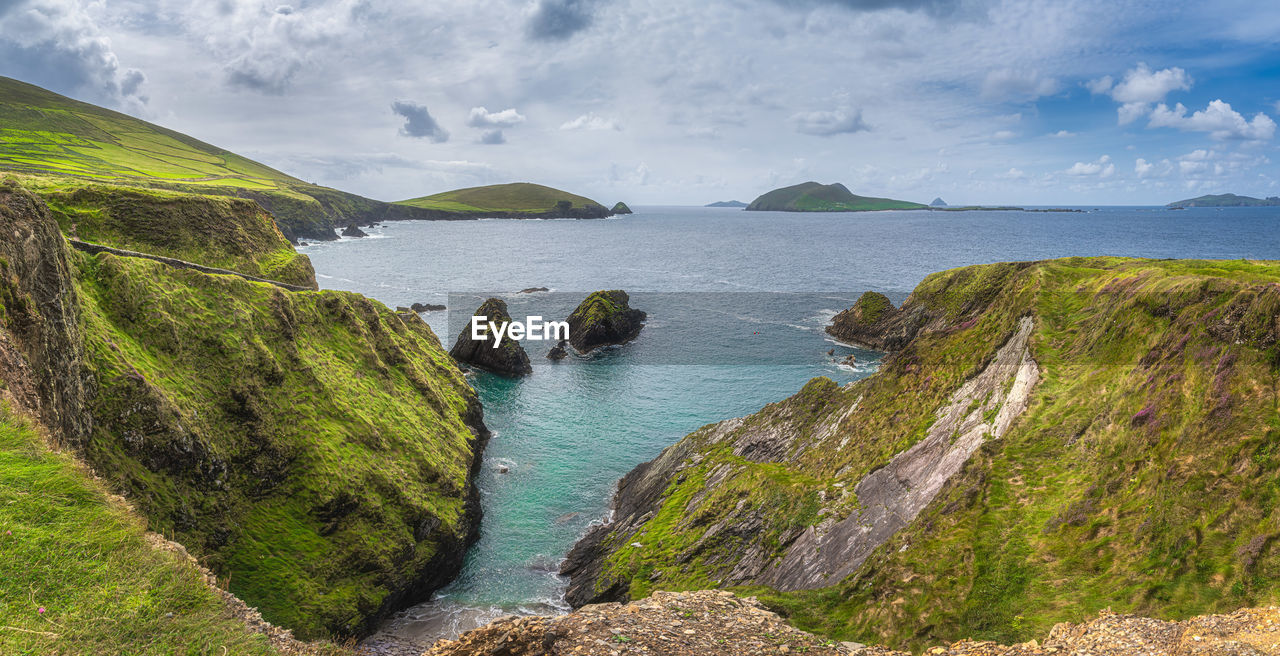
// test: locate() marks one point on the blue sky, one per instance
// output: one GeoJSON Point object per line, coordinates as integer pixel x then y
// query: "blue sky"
{"type": "Point", "coordinates": [658, 101]}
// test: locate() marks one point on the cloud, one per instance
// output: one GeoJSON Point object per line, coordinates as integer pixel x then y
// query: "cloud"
{"type": "Point", "coordinates": [590, 121]}
{"type": "Point", "coordinates": [58, 44]}
{"type": "Point", "coordinates": [557, 20]}
{"type": "Point", "coordinates": [931, 6]}
{"type": "Point", "coordinates": [492, 138]}
{"type": "Point", "coordinates": [1102, 168]}
{"type": "Point", "coordinates": [483, 118]}
{"type": "Point", "coordinates": [1218, 119]}
{"type": "Point", "coordinates": [418, 122]}
{"type": "Point", "coordinates": [829, 123]}
{"type": "Point", "coordinates": [264, 47]}
{"type": "Point", "coordinates": [1145, 169]}
{"type": "Point", "coordinates": [1012, 174]}
{"type": "Point", "coordinates": [1004, 135]}
{"type": "Point", "coordinates": [702, 133]}
{"type": "Point", "coordinates": [1017, 85]}
{"type": "Point", "coordinates": [1062, 134]}
{"type": "Point", "coordinates": [1139, 88]}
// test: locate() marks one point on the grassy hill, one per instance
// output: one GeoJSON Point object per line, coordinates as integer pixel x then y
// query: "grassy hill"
{"type": "Point", "coordinates": [1133, 468]}
{"type": "Point", "coordinates": [60, 139]}
{"type": "Point", "coordinates": [1227, 200]}
{"type": "Point", "coordinates": [68, 547]}
{"type": "Point", "coordinates": [815, 197]}
{"type": "Point", "coordinates": [513, 198]}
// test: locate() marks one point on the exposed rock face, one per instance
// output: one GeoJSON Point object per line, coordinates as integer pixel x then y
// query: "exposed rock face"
{"type": "Point", "coordinates": [707, 622]}
{"type": "Point", "coordinates": [41, 349]}
{"type": "Point", "coordinates": [353, 230]}
{"type": "Point", "coordinates": [605, 318]}
{"type": "Point", "coordinates": [668, 623]}
{"type": "Point", "coordinates": [621, 208]}
{"type": "Point", "coordinates": [508, 358]}
{"type": "Point", "coordinates": [874, 322]}
{"type": "Point", "coordinates": [558, 352]}
{"type": "Point", "coordinates": [889, 498]}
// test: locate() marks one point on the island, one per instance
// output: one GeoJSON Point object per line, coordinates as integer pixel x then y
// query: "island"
{"type": "Point", "coordinates": [727, 203]}
{"type": "Point", "coordinates": [815, 197]}
{"type": "Point", "coordinates": [1226, 200]}
{"type": "Point", "coordinates": [515, 200]}
{"type": "Point", "coordinates": [604, 318]}
{"type": "Point", "coordinates": [938, 202]}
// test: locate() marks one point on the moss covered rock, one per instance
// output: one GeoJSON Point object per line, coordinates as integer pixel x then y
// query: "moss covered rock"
{"type": "Point", "coordinates": [621, 208]}
{"type": "Point", "coordinates": [604, 318]}
{"type": "Point", "coordinates": [507, 357]}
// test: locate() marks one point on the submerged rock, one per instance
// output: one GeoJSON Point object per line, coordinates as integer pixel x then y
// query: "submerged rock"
{"type": "Point", "coordinates": [353, 230]}
{"type": "Point", "coordinates": [605, 318]}
{"type": "Point", "coordinates": [508, 358]}
{"type": "Point", "coordinates": [558, 352]}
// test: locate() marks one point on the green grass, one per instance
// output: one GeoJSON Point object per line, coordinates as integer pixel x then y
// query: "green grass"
{"type": "Point", "coordinates": [1141, 477]}
{"type": "Point", "coordinates": [815, 197]}
{"type": "Point", "coordinates": [311, 447]}
{"type": "Point", "coordinates": [517, 197]}
{"type": "Point", "coordinates": [71, 549]}
{"type": "Point", "coordinates": [71, 142]}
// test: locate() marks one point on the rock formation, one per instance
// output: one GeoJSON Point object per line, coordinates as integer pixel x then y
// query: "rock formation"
{"type": "Point", "coordinates": [508, 358]}
{"type": "Point", "coordinates": [874, 322]}
{"type": "Point", "coordinates": [604, 318]}
{"type": "Point", "coordinates": [353, 230]}
{"type": "Point", "coordinates": [621, 208]}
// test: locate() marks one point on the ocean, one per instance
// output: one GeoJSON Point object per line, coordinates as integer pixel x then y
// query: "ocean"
{"type": "Point", "coordinates": [736, 303]}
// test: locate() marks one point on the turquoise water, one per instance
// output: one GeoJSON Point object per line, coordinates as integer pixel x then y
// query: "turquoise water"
{"type": "Point", "coordinates": [717, 344]}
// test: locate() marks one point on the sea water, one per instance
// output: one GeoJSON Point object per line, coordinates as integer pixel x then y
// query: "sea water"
{"type": "Point", "coordinates": [736, 301]}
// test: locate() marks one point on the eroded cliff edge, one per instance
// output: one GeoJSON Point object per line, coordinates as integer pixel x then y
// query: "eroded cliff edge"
{"type": "Point", "coordinates": [1050, 439]}
{"type": "Point", "coordinates": [315, 449]}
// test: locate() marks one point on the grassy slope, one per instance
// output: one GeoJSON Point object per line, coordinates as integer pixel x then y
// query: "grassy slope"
{"type": "Point", "coordinates": [310, 446]}
{"type": "Point", "coordinates": [1141, 478]}
{"type": "Point", "coordinates": [66, 546]}
{"type": "Point", "coordinates": [815, 197]}
{"type": "Point", "coordinates": [217, 231]}
{"type": "Point", "coordinates": [513, 197]}
{"type": "Point", "coordinates": [44, 133]}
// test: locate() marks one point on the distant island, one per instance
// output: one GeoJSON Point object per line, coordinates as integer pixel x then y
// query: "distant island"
{"type": "Point", "coordinates": [726, 203]}
{"type": "Point", "coordinates": [514, 200]}
{"type": "Point", "coordinates": [1227, 200]}
{"type": "Point", "coordinates": [938, 202]}
{"type": "Point", "coordinates": [815, 197]}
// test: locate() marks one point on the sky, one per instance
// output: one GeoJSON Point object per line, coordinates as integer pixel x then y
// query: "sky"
{"type": "Point", "coordinates": [1035, 102]}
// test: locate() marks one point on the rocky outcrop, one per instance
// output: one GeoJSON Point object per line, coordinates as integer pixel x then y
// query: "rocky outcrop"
{"type": "Point", "coordinates": [668, 623]}
{"type": "Point", "coordinates": [604, 318]}
{"type": "Point", "coordinates": [426, 307]}
{"type": "Point", "coordinates": [874, 322]}
{"type": "Point", "coordinates": [559, 351]}
{"type": "Point", "coordinates": [621, 208]}
{"type": "Point", "coordinates": [507, 357]}
{"type": "Point", "coordinates": [353, 230]}
{"type": "Point", "coordinates": [718, 623]}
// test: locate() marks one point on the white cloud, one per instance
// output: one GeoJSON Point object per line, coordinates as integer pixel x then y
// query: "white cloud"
{"type": "Point", "coordinates": [1017, 85]}
{"type": "Point", "coordinates": [1102, 168]}
{"type": "Point", "coordinates": [1145, 169]}
{"type": "Point", "coordinates": [1004, 135]}
{"type": "Point", "coordinates": [829, 123]}
{"type": "Point", "coordinates": [1218, 119]}
{"type": "Point", "coordinates": [1012, 174]}
{"type": "Point", "coordinates": [590, 121]}
{"type": "Point", "coordinates": [483, 118]}
{"type": "Point", "coordinates": [1063, 134]}
{"type": "Point", "coordinates": [1139, 88]}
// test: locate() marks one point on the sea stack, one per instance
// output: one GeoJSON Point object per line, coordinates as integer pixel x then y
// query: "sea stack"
{"type": "Point", "coordinates": [508, 359]}
{"type": "Point", "coordinates": [621, 208]}
{"type": "Point", "coordinates": [604, 319]}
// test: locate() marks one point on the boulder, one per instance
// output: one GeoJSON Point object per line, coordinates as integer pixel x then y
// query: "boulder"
{"type": "Point", "coordinates": [353, 230]}
{"type": "Point", "coordinates": [508, 358]}
{"type": "Point", "coordinates": [604, 319]}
